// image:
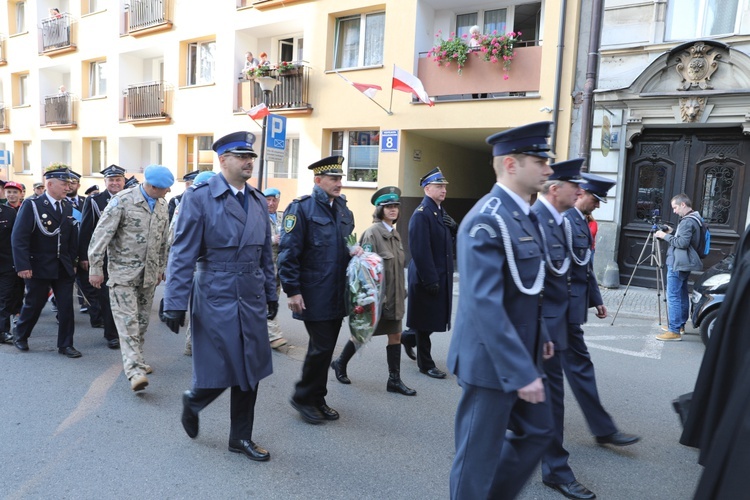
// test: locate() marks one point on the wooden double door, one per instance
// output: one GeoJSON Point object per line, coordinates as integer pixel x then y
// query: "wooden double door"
{"type": "Point", "coordinates": [708, 165]}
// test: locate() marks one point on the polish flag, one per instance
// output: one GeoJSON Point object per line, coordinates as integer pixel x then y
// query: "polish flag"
{"type": "Point", "coordinates": [406, 82]}
{"type": "Point", "coordinates": [367, 89]}
{"type": "Point", "coordinates": [259, 111]}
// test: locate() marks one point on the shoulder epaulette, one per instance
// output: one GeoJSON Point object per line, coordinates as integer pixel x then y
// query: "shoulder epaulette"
{"type": "Point", "coordinates": [196, 187]}
{"type": "Point", "coordinates": [301, 198]}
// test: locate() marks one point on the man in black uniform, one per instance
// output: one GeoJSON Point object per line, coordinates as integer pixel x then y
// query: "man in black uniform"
{"type": "Point", "coordinates": [85, 290]}
{"type": "Point", "coordinates": [44, 252]}
{"type": "Point", "coordinates": [11, 286]}
{"type": "Point", "coordinates": [188, 178]}
{"type": "Point", "coordinates": [313, 256]}
{"type": "Point", "coordinates": [114, 180]}
{"type": "Point", "coordinates": [92, 191]}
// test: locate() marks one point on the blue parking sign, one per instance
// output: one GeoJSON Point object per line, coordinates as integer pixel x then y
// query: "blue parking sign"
{"type": "Point", "coordinates": [389, 141]}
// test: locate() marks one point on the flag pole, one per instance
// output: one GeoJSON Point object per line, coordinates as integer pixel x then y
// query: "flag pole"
{"type": "Point", "coordinates": [390, 105]}
{"type": "Point", "coordinates": [370, 98]}
{"type": "Point", "coordinates": [253, 119]}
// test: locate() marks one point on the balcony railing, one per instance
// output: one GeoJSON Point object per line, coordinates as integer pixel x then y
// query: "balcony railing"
{"type": "Point", "coordinates": [57, 33]}
{"type": "Point", "coordinates": [58, 110]}
{"type": "Point", "coordinates": [482, 78]}
{"type": "Point", "coordinates": [145, 15]}
{"type": "Point", "coordinates": [147, 101]}
{"type": "Point", "coordinates": [291, 94]}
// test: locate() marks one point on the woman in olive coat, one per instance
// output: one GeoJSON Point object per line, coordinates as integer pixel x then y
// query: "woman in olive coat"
{"type": "Point", "coordinates": [383, 239]}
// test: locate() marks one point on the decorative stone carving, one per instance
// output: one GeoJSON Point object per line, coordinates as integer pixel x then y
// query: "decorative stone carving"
{"type": "Point", "coordinates": [696, 66]}
{"type": "Point", "coordinates": [691, 108]}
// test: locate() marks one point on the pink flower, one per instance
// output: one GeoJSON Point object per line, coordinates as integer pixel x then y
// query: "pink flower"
{"type": "Point", "coordinates": [519, 34]}
{"type": "Point", "coordinates": [494, 32]}
{"type": "Point", "coordinates": [505, 58]}
{"type": "Point", "coordinates": [506, 77]}
{"type": "Point", "coordinates": [493, 59]}
{"type": "Point", "coordinates": [453, 33]}
{"type": "Point", "coordinates": [359, 310]}
{"type": "Point", "coordinates": [464, 35]}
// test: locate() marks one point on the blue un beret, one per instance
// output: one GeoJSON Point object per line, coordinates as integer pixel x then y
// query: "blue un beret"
{"type": "Point", "coordinates": [272, 192]}
{"type": "Point", "coordinates": [203, 176]}
{"type": "Point", "coordinates": [158, 176]}
{"type": "Point", "coordinates": [528, 139]}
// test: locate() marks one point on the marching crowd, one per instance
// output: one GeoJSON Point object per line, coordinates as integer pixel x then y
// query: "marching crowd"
{"type": "Point", "coordinates": [225, 252]}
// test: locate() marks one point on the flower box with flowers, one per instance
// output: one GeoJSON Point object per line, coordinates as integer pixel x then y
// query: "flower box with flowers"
{"type": "Point", "coordinates": [493, 48]}
{"type": "Point", "coordinates": [286, 68]}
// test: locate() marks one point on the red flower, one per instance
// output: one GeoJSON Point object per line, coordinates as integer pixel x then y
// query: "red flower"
{"type": "Point", "coordinates": [359, 310]}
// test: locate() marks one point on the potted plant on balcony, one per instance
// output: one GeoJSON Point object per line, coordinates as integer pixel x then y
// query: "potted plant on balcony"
{"type": "Point", "coordinates": [287, 68]}
{"type": "Point", "coordinates": [454, 49]}
{"type": "Point", "coordinates": [492, 48]}
{"type": "Point", "coordinates": [261, 71]}
{"type": "Point", "coordinates": [496, 48]}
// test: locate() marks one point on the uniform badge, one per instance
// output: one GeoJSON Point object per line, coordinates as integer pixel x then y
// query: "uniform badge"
{"type": "Point", "coordinates": [289, 223]}
{"type": "Point", "coordinates": [44, 216]}
{"type": "Point", "coordinates": [367, 247]}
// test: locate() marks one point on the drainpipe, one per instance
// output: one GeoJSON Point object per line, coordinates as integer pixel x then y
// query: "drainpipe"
{"type": "Point", "coordinates": [592, 70]}
{"type": "Point", "coordinates": [558, 77]}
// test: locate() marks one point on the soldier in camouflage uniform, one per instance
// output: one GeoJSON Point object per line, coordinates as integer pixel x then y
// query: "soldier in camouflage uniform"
{"type": "Point", "coordinates": [272, 200]}
{"type": "Point", "coordinates": [133, 231]}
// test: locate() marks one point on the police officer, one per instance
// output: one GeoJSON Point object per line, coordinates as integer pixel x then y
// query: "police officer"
{"type": "Point", "coordinates": [132, 233]}
{"type": "Point", "coordinates": [430, 294]}
{"type": "Point", "coordinates": [114, 182]}
{"type": "Point", "coordinates": [584, 293]}
{"type": "Point", "coordinates": [44, 251]}
{"type": "Point", "coordinates": [503, 420]}
{"type": "Point", "coordinates": [559, 194]}
{"type": "Point", "coordinates": [313, 256]}
{"type": "Point", "coordinates": [273, 195]}
{"type": "Point", "coordinates": [222, 236]}
{"type": "Point", "coordinates": [188, 179]}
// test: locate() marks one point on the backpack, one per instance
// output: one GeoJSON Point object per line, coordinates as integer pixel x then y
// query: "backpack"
{"type": "Point", "coordinates": [704, 242]}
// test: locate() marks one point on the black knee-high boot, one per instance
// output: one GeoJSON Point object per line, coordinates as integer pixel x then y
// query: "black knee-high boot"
{"type": "Point", "coordinates": [395, 384]}
{"type": "Point", "coordinates": [339, 364]}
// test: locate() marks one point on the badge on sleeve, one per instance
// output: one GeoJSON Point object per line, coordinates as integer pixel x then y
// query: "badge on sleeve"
{"type": "Point", "coordinates": [289, 223]}
{"type": "Point", "coordinates": [367, 247]}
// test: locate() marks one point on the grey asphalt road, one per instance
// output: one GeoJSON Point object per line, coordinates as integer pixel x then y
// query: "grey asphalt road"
{"type": "Point", "coordinates": [72, 428]}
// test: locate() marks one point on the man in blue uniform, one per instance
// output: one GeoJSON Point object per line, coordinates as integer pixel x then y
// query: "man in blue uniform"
{"type": "Point", "coordinates": [45, 249]}
{"type": "Point", "coordinates": [188, 179]}
{"type": "Point", "coordinates": [584, 293]}
{"type": "Point", "coordinates": [114, 181]}
{"type": "Point", "coordinates": [221, 263]}
{"type": "Point", "coordinates": [430, 294]}
{"type": "Point", "coordinates": [503, 421]}
{"type": "Point", "coordinates": [313, 256]}
{"type": "Point", "coordinates": [559, 194]}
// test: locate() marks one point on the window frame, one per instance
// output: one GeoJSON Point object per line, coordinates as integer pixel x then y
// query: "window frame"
{"type": "Point", "coordinates": [20, 17]}
{"type": "Point", "coordinates": [345, 151]}
{"type": "Point", "coordinates": [102, 153]}
{"type": "Point", "coordinates": [95, 78]}
{"type": "Point", "coordinates": [23, 90]}
{"type": "Point", "coordinates": [194, 63]}
{"type": "Point", "coordinates": [361, 44]}
{"type": "Point", "coordinates": [672, 8]}
{"type": "Point", "coordinates": [192, 149]}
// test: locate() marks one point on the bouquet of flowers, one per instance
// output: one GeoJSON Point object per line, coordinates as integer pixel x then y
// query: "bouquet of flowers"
{"type": "Point", "coordinates": [365, 285]}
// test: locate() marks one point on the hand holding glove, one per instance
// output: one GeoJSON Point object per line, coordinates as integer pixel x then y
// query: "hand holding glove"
{"type": "Point", "coordinates": [273, 309]}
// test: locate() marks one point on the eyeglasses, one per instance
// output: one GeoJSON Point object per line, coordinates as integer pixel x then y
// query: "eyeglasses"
{"type": "Point", "coordinates": [242, 156]}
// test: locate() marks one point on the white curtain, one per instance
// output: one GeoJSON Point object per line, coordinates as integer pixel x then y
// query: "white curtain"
{"type": "Point", "coordinates": [374, 34]}
{"type": "Point", "coordinates": [347, 46]}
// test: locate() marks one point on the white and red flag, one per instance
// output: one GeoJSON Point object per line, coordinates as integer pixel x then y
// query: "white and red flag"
{"type": "Point", "coordinates": [259, 111]}
{"type": "Point", "coordinates": [406, 82]}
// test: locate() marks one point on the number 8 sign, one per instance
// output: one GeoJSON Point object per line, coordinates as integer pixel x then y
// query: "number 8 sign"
{"type": "Point", "coordinates": [389, 141]}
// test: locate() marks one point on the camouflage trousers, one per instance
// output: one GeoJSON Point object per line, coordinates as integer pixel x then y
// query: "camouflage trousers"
{"type": "Point", "coordinates": [131, 310]}
{"type": "Point", "coordinates": [274, 331]}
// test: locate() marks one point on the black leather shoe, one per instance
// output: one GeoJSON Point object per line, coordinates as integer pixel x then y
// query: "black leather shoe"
{"type": "Point", "coordinates": [409, 350]}
{"type": "Point", "coordinates": [250, 449]}
{"type": "Point", "coordinates": [113, 343]}
{"type": "Point", "coordinates": [340, 372]}
{"type": "Point", "coordinates": [21, 345]}
{"type": "Point", "coordinates": [189, 417]}
{"type": "Point", "coordinates": [618, 439]}
{"type": "Point", "coordinates": [6, 338]}
{"type": "Point", "coordinates": [309, 413]}
{"type": "Point", "coordinates": [572, 490]}
{"type": "Point", "coordinates": [328, 412]}
{"type": "Point", "coordinates": [70, 352]}
{"type": "Point", "coordinates": [97, 324]}
{"type": "Point", "coordinates": [433, 372]}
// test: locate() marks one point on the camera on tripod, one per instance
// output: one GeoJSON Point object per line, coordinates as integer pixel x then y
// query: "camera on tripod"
{"type": "Point", "coordinates": [656, 223]}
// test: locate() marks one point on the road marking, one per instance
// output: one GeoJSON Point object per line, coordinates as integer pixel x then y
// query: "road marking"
{"type": "Point", "coordinates": [93, 398]}
{"type": "Point", "coordinates": [651, 349]}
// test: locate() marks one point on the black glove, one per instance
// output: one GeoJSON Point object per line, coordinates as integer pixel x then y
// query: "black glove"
{"type": "Point", "coordinates": [433, 289]}
{"type": "Point", "coordinates": [273, 309]}
{"type": "Point", "coordinates": [174, 320]}
{"type": "Point", "coordinates": [448, 221]}
{"type": "Point", "coordinates": [161, 311]}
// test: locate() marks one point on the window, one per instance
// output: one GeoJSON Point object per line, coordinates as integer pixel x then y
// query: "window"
{"type": "Point", "coordinates": [98, 155]}
{"type": "Point", "coordinates": [696, 18]}
{"type": "Point", "coordinates": [97, 78]}
{"type": "Point", "coordinates": [526, 19]}
{"type": "Point", "coordinates": [198, 153]}
{"type": "Point", "coordinates": [286, 169]}
{"type": "Point", "coordinates": [94, 5]}
{"type": "Point", "coordinates": [358, 47]}
{"type": "Point", "coordinates": [200, 66]}
{"type": "Point", "coordinates": [23, 90]}
{"type": "Point", "coordinates": [360, 148]}
{"type": "Point", "coordinates": [21, 17]}
{"type": "Point", "coordinates": [489, 21]}
{"type": "Point", "coordinates": [23, 164]}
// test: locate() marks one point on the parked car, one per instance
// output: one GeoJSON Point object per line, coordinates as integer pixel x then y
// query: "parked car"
{"type": "Point", "coordinates": [708, 294]}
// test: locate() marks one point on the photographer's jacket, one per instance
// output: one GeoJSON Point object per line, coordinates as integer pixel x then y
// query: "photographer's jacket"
{"type": "Point", "coordinates": [682, 254]}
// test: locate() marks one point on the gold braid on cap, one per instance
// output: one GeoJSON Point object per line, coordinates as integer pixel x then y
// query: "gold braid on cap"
{"type": "Point", "coordinates": [324, 168]}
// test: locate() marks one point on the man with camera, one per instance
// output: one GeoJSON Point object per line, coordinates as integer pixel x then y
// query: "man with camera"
{"type": "Point", "coordinates": [682, 258]}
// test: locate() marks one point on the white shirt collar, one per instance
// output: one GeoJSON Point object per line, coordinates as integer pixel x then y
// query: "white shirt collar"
{"type": "Point", "coordinates": [555, 214]}
{"type": "Point", "coordinates": [235, 190]}
{"type": "Point", "coordinates": [522, 204]}
{"type": "Point", "coordinates": [580, 213]}
{"type": "Point", "coordinates": [51, 199]}
{"type": "Point", "coordinates": [387, 226]}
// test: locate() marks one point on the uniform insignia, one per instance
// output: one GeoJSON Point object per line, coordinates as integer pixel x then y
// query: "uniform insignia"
{"type": "Point", "coordinates": [526, 238]}
{"type": "Point", "coordinates": [434, 213]}
{"type": "Point", "coordinates": [420, 209]}
{"type": "Point", "coordinates": [367, 247]}
{"type": "Point", "coordinates": [289, 223]}
{"type": "Point", "coordinates": [474, 230]}
{"type": "Point", "coordinates": [113, 201]}
{"type": "Point", "coordinates": [44, 216]}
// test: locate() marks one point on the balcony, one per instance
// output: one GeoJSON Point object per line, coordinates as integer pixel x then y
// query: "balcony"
{"type": "Point", "coordinates": [481, 77]}
{"type": "Point", "coordinates": [4, 128]}
{"type": "Point", "coordinates": [145, 17]}
{"type": "Point", "coordinates": [147, 104]}
{"type": "Point", "coordinates": [57, 111]}
{"type": "Point", "coordinates": [290, 97]}
{"type": "Point", "coordinates": [57, 35]}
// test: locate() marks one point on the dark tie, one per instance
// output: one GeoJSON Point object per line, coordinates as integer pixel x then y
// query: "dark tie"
{"type": "Point", "coordinates": [57, 208]}
{"type": "Point", "coordinates": [532, 217]}
{"type": "Point", "coordinates": [241, 198]}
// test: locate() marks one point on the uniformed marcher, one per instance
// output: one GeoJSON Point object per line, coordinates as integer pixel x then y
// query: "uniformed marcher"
{"type": "Point", "coordinates": [188, 179]}
{"type": "Point", "coordinates": [503, 421]}
{"type": "Point", "coordinates": [132, 233]}
{"type": "Point", "coordinates": [38, 189]}
{"type": "Point", "coordinates": [44, 241]}
{"type": "Point", "coordinates": [11, 285]}
{"type": "Point", "coordinates": [313, 256]}
{"type": "Point", "coordinates": [430, 295]}
{"type": "Point", "coordinates": [87, 294]}
{"type": "Point", "coordinates": [584, 293]}
{"type": "Point", "coordinates": [92, 190]}
{"type": "Point", "coordinates": [559, 194]}
{"type": "Point", "coordinates": [383, 239]}
{"type": "Point", "coordinates": [114, 182]}
{"type": "Point", "coordinates": [131, 182]}
{"type": "Point", "coordinates": [13, 194]}
{"type": "Point", "coordinates": [275, 337]}
{"type": "Point", "coordinates": [224, 239]}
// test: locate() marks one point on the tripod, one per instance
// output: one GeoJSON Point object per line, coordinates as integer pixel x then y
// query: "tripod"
{"type": "Point", "coordinates": [654, 258]}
